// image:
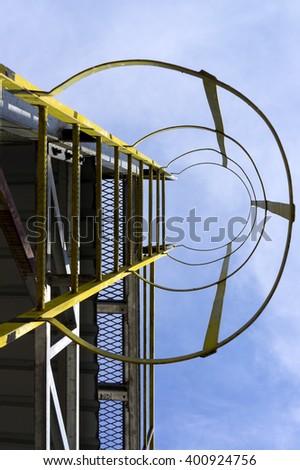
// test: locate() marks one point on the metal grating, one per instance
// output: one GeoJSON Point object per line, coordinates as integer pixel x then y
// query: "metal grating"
{"type": "Point", "coordinates": [108, 225]}
{"type": "Point", "coordinates": [113, 293]}
{"type": "Point", "coordinates": [116, 291]}
{"type": "Point", "coordinates": [110, 326]}
{"type": "Point", "coordinates": [110, 338]}
{"type": "Point", "coordinates": [111, 425]}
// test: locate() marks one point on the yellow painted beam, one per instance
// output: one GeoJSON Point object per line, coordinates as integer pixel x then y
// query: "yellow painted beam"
{"type": "Point", "coordinates": [287, 211]}
{"type": "Point", "coordinates": [26, 91]}
{"type": "Point", "coordinates": [210, 88]}
{"type": "Point", "coordinates": [9, 332]}
{"type": "Point", "coordinates": [75, 208]}
{"type": "Point", "coordinates": [213, 329]}
{"type": "Point", "coordinates": [129, 230]}
{"type": "Point", "coordinates": [33, 318]}
{"type": "Point", "coordinates": [116, 209]}
{"type": "Point", "coordinates": [99, 209]}
{"type": "Point", "coordinates": [140, 205]}
{"type": "Point", "coordinates": [42, 179]}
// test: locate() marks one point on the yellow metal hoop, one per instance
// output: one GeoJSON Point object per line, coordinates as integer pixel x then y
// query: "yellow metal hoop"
{"type": "Point", "coordinates": [209, 80]}
{"type": "Point", "coordinates": [34, 318]}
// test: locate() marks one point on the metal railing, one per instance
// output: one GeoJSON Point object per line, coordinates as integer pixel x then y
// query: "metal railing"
{"type": "Point", "coordinates": [118, 253]}
{"type": "Point", "coordinates": [45, 311]}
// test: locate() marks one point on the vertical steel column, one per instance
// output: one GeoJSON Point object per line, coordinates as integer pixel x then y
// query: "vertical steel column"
{"type": "Point", "coordinates": [152, 352]}
{"type": "Point", "coordinates": [157, 224]}
{"type": "Point", "coordinates": [72, 388]}
{"type": "Point", "coordinates": [75, 208]}
{"type": "Point", "coordinates": [145, 353]}
{"type": "Point", "coordinates": [41, 209]}
{"type": "Point", "coordinates": [98, 209]}
{"type": "Point", "coordinates": [48, 370]}
{"type": "Point", "coordinates": [163, 202]}
{"type": "Point", "coordinates": [131, 376]}
{"type": "Point", "coordinates": [150, 209]}
{"type": "Point", "coordinates": [42, 335]}
{"type": "Point", "coordinates": [72, 356]}
{"type": "Point", "coordinates": [129, 211]}
{"type": "Point", "coordinates": [140, 205]}
{"type": "Point", "coordinates": [116, 208]}
{"type": "Point", "coordinates": [42, 425]}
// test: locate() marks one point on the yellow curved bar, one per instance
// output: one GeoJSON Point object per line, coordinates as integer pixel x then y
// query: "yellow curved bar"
{"type": "Point", "coordinates": [123, 63]}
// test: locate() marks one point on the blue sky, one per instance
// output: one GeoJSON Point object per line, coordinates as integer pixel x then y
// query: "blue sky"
{"type": "Point", "coordinates": [247, 395]}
